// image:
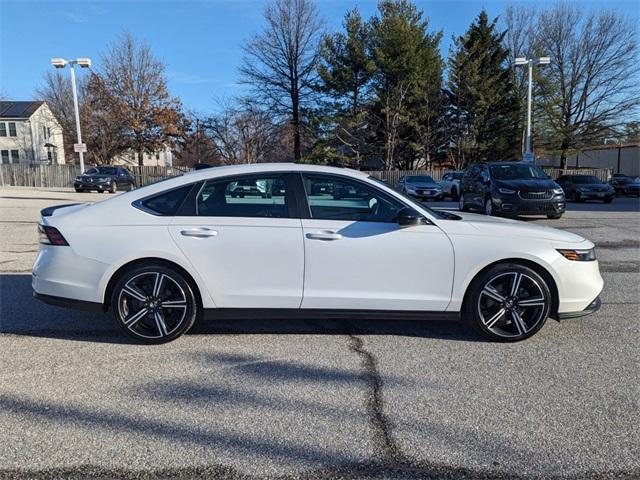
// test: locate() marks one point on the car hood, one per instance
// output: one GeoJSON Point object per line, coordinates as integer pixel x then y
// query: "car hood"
{"type": "Point", "coordinates": [592, 186]}
{"type": "Point", "coordinates": [422, 184]}
{"type": "Point", "coordinates": [504, 228]}
{"type": "Point", "coordinates": [532, 184]}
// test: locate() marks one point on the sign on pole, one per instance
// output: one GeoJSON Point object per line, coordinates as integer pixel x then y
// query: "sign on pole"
{"type": "Point", "coordinates": [79, 147]}
{"type": "Point", "coordinates": [527, 157]}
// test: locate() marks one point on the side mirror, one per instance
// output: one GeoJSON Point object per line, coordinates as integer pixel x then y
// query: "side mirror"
{"type": "Point", "coordinates": [408, 217]}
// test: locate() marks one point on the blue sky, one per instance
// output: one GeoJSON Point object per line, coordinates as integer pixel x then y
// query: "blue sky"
{"type": "Point", "coordinates": [199, 40]}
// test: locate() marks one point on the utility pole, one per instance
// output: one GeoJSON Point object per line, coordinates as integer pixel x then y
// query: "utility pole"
{"type": "Point", "coordinates": [528, 151]}
{"type": "Point", "coordinates": [84, 63]}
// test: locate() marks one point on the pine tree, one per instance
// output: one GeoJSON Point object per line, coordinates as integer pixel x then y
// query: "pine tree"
{"type": "Point", "coordinates": [345, 72]}
{"type": "Point", "coordinates": [406, 83]}
{"type": "Point", "coordinates": [484, 111]}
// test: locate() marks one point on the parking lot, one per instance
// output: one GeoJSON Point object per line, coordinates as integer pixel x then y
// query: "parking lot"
{"type": "Point", "coordinates": [304, 399]}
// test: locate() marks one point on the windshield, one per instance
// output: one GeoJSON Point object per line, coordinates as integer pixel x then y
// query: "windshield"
{"type": "Point", "coordinates": [627, 180]}
{"type": "Point", "coordinates": [415, 203]}
{"type": "Point", "coordinates": [458, 175]}
{"type": "Point", "coordinates": [419, 179]}
{"type": "Point", "coordinates": [586, 179]}
{"type": "Point", "coordinates": [517, 172]}
{"type": "Point", "coordinates": [101, 170]}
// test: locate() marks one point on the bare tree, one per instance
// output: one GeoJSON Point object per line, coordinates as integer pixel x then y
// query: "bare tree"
{"type": "Point", "coordinates": [242, 132]}
{"type": "Point", "coordinates": [280, 62]}
{"type": "Point", "coordinates": [591, 86]}
{"type": "Point", "coordinates": [134, 80]}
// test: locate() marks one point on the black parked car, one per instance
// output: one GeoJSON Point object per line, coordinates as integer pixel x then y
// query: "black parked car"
{"type": "Point", "coordinates": [625, 185]}
{"type": "Point", "coordinates": [105, 179]}
{"type": "Point", "coordinates": [585, 187]}
{"type": "Point", "coordinates": [510, 188]}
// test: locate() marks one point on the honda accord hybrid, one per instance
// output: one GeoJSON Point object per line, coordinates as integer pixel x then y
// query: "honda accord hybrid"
{"type": "Point", "coordinates": [162, 256]}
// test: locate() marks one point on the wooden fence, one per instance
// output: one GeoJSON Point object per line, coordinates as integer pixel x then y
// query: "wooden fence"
{"type": "Point", "coordinates": [62, 176]}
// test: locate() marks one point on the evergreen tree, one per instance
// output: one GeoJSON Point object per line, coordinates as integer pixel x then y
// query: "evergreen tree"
{"type": "Point", "coordinates": [406, 83]}
{"type": "Point", "coordinates": [345, 72]}
{"type": "Point", "coordinates": [484, 111]}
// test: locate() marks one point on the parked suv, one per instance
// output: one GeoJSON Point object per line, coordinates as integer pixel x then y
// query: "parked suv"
{"type": "Point", "coordinates": [510, 188]}
{"type": "Point", "coordinates": [451, 184]}
{"type": "Point", "coordinates": [585, 187]}
{"type": "Point", "coordinates": [105, 179]}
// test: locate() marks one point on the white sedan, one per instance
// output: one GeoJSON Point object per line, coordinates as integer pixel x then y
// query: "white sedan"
{"type": "Point", "coordinates": [307, 241]}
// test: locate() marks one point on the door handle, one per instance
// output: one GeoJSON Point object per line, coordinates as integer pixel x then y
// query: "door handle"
{"type": "Point", "coordinates": [324, 236]}
{"type": "Point", "coordinates": [199, 232]}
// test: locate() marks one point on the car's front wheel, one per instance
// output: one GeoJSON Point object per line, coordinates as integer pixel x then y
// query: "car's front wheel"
{"type": "Point", "coordinates": [488, 206]}
{"type": "Point", "coordinates": [508, 302]}
{"type": "Point", "coordinates": [154, 304]}
{"type": "Point", "coordinates": [461, 204]}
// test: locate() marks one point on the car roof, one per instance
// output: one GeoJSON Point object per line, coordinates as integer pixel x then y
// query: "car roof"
{"type": "Point", "coordinates": [270, 167]}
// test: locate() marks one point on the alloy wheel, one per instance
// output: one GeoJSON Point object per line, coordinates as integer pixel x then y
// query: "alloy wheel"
{"type": "Point", "coordinates": [461, 203]}
{"type": "Point", "coordinates": [152, 305]}
{"type": "Point", "coordinates": [512, 304]}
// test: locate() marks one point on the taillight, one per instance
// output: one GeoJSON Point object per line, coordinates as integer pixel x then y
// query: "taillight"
{"type": "Point", "coordinates": [51, 236]}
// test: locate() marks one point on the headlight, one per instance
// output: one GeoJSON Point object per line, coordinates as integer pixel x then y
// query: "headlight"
{"type": "Point", "coordinates": [506, 191]}
{"type": "Point", "coordinates": [411, 189]}
{"type": "Point", "coordinates": [78, 178]}
{"type": "Point", "coordinates": [102, 179]}
{"type": "Point", "coordinates": [582, 189]}
{"type": "Point", "coordinates": [579, 255]}
{"type": "Point", "coordinates": [558, 191]}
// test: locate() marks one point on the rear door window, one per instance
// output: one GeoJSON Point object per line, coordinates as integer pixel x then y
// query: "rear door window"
{"type": "Point", "coordinates": [245, 196]}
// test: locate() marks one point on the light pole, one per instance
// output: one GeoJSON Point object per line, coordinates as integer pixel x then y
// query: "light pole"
{"type": "Point", "coordinates": [528, 153]}
{"type": "Point", "coordinates": [84, 63]}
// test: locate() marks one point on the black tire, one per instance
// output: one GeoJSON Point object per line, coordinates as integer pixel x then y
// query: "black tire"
{"type": "Point", "coordinates": [79, 190]}
{"type": "Point", "coordinates": [554, 216]}
{"type": "Point", "coordinates": [113, 188]}
{"type": "Point", "coordinates": [488, 207]}
{"type": "Point", "coordinates": [462, 206]}
{"type": "Point", "coordinates": [480, 303]}
{"type": "Point", "coordinates": [138, 289]}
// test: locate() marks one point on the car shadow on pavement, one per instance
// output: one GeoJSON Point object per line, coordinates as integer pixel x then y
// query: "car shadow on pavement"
{"type": "Point", "coordinates": [21, 314]}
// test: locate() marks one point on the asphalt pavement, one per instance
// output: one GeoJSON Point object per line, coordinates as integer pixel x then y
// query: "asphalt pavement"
{"type": "Point", "coordinates": [319, 400]}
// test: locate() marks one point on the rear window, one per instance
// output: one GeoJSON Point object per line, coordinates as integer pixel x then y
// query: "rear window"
{"type": "Point", "coordinates": [165, 203]}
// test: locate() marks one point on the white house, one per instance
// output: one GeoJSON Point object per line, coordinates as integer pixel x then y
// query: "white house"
{"type": "Point", "coordinates": [30, 133]}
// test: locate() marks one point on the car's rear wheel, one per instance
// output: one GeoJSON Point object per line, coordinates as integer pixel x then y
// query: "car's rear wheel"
{"type": "Point", "coordinates": [113, 188]}
{"type": "Point", "coordinates": [507, 303]}
{"type": "Point", "coordinates": [154, 304]}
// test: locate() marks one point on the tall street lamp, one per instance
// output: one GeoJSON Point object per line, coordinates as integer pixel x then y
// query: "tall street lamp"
{"type": "Point", "coordinates": [528, 153]}
{"type": "Point", "coordinates": [84, 63]}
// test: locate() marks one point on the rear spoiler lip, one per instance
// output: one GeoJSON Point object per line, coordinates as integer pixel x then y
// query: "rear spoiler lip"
{"type": "Point", "coordinates": [47, 212]}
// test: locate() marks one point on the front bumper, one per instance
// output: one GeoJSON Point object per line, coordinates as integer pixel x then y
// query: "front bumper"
{"type": "Point", "coordinates": [100, 186]}
{"type": "Point", "coordinates": [514, 205]}
{"type": "Point", "coordinates": [593, 307]}
{"type": "Point", "coordinates": [427, 195]}
{"type": "Point", "coordinates": [594, 195]}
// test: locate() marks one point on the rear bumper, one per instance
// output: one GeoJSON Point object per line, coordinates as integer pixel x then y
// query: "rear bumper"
{"type": "Point", "coordinates": [593, 307]}
{"type": "Point", "coordinates": [69, 303]}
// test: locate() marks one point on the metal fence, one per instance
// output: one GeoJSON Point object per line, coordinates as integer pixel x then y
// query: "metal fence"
{"type": "Point", "coordinates": [62, 176]}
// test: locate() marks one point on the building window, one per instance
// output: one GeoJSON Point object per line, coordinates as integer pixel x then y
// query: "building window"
{"type": "Point", "coordinates": [3, 129]}
{"type": "Point", "coordinates": [5, 156]}
{"type": "Point", "coordinates": [49, 156]}
{"type": "Point", "coordinates": [15, 156]}
{"type": "Point", "coordinates": [48, 132]}
{"type": "Point", "coordinates": [12, 129]}
{"type": "Point", "coordinates": [55, 156]}
{"type": "Point", "coordinates": [157, 156]}
{"type": "Point", "coordinates": [44, 132]}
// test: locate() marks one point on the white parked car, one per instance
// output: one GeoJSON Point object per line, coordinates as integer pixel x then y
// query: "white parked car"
{"type": "Point", "coordinates": [163, 255]}
{"type": "Point", "coordinates": [450, 184]}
